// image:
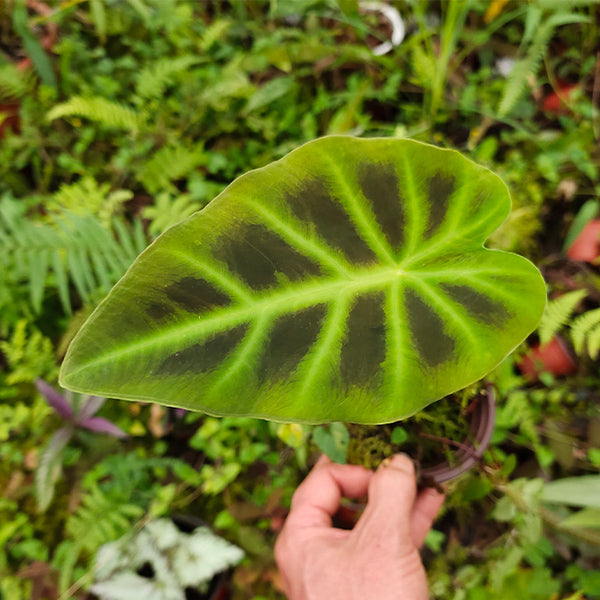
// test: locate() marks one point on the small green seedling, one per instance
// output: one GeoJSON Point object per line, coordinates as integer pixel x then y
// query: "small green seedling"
{"type": "Point", "coordinates": [347, 281]}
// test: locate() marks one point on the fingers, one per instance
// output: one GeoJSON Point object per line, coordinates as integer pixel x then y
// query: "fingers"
{"type": "Point", "coordinates": [392, 493]}
{"type": "Point", "coordinates": [426, 507]}
{"type": "Point", "coordinates": [318, 497]}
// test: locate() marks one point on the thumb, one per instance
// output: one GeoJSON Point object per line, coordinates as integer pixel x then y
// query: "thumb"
{"type": "Point", "coordinates": [392, 493]}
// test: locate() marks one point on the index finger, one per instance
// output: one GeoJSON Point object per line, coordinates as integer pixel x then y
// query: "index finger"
{"type": "Point", "coordinates": [318, 497]}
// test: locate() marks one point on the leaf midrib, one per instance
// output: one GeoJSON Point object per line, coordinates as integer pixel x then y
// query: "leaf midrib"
{"type": "Point", "coordinates": [293, 298]}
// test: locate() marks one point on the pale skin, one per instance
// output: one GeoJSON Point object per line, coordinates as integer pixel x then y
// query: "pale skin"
{"type": "Point", "coordinates": [378, 559]}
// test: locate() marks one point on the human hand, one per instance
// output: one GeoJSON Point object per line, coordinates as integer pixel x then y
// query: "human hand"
{"type": "Point", "coordinates": [378, 559]}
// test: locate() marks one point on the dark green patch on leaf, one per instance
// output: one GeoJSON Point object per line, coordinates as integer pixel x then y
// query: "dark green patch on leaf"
{"type": "Point", "coordinates": [194, 295]}
{"type": "Point", "coordinates": [257, 255]}
{"type": "Point", "coordinates": [363, 350]}
{"type": "Point", "coordinates": [290, 339]}
{"type": "Point", "coordinates": [314, 205]}
{"type": "Point", "coordinates": [379, 184]}
{"type": "Point", "coordinates": [159, 310]}
{"type": "Point", "coordinates": [477, 304]}
{"type": "Point", "coordinates": [204, 356]}
{"type": "Point", "coordinates": [434, 346]}
{"type": "Point", "coordinates": [439, 190]}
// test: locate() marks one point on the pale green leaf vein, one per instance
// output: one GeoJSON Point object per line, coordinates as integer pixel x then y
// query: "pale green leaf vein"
{"type": "Point", "coordinates": [362, 218]}
{"type": "Point", "coordinates": [438, 245]}
{"type": "Point", "coordinates": [326, 350]}
{"type": "Point", "coordinates": [299, 241]}
{"type": "Point", "coordinates": [221, 277]}
{"type": "Point", "coordinates": [245, 354]}
{"type": "Point", "coordinates": [291, 299]}
{"type": "Point", "coordinates": [395, 340]}
{"type": "Point", "coordinates": [415, 216]}
{"type": "Point", "coordinates": [442, 305]}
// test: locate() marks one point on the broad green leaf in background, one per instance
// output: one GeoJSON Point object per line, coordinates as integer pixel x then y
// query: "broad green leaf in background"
{"type": "Point", "coordinates": [575, 491]}
{"type": "Point", "coordinates": [333, 441]}
{"type": "Point", "coordinates": [345, 282]}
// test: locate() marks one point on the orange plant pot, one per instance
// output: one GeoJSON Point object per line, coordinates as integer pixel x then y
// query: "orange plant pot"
{"type": "Point", "coordinates": [553, 357]}
{"type": "Point", "coordinates": [586, 246]}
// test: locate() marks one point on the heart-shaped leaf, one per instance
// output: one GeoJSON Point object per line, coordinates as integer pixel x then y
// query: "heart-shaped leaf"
{"type": "Point", "coordinates": [345, 282]}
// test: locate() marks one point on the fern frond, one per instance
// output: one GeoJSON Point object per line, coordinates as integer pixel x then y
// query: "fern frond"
{"type": "Point", "coordinates": [593, 342]}
{"type": "Point", "coordinates": [527, 66]}
{"type": "Point", "coordinates": [153, 79]}
{"type": "Point", "coordinates": [557, 314]}
{"type": "Point", "coordinates": [70, 248]}
{"type": "Point", "coordinates": [14, 83]}
{"type": "Point", "coordinates": [167, 211]}
{"type": "Point", "coordinates": [584, 327]}
{"type": "Point", "coordinates": [101, 519]}
{"type": "Point", "coordinates": [88, 197]}
{"type": "Point", "coordinates": [170, 164]}
{"type": "Point", "coordinates": [103, 111]}
{"type": "Point", "coordinates": [215, 31]}
{"type": "Point", "coordinates": [29, 354]}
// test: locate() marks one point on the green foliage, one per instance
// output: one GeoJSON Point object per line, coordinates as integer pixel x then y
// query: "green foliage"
{"type": "Point", "coordinates": [231, 444]}
{"type": "Point", "coordinates": [34, 49]}
{"type": "Point", "coordinates": [49, 467]}
{"type": "Point", "coordinates": [585, 333]}
{"type": "Point", "coordinates": [168, 211]}
{"type": "Point", "coordinates": [540, 26]}
{"type": "Point", "coordinates": [163, 104]}
{"type": "Point", "coordinates": [293, 260]}
{"type": "Point", "coordinates": [14, 83]}
{"type": "Point", "coordinates": [99, 519]}
{"type": "Point", "coordinates": [557, 314]}
{"type": "Point", "coordinates": [102, 111]}
{"type": "Point", "coordinates": [168, 165]}
{"type": "Point", "coordinates": [154, 78]}
{"type": "Point", "coordinates": [87, 197]}
{"type": "Point", "coordinates": [29, 354]}
{"type": "Point", "coordinates": [333, 441]}
{"type": "Point", "coordinates": [69, 248]}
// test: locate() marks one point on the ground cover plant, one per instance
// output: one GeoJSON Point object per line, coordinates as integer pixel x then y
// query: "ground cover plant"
{"type": "Point", "coordinates": [119, 119]}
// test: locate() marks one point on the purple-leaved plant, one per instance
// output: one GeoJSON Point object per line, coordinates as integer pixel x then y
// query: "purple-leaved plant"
{"type": "Point", "coordinates": [49, 464]}
{"type": "Point", "coordinates": [85, 415]}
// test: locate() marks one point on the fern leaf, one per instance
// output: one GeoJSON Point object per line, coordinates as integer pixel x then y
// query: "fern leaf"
{"type": "Point", "coordinates": [14, 83]}
{"type": "Point", "coordinates": [29, 354]}
{"type": "Point", "coordinates": [528, 66]}
{"type": "Point", "coordinates": [593, 342]}
{"type": "Point", "coordinates": [557, 314]}
{"type": "Point", "coordinates": [153, 79]}
{"type": "Point", "coordinates": [87, 197]}
{"type": "Point", "coordinates": [170, 164]}
{"type": "Point", "coordinates": [62, 282]}
{"type": "Point", "coordinates": [68, 249]}
{"type": "Point", "coordinates": [103, 111]}
{"type": "Point", "coordinates": [101, 519]}
{"type": "Point", "coordinates": [582, 327]}
{"type": "Point", "coordinates": [168, 211]}
{"type": "Point", "coordinates": [214, 32]}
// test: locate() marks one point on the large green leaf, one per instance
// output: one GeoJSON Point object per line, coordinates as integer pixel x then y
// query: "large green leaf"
{"type": "Point", "coordinates": [346, 281]}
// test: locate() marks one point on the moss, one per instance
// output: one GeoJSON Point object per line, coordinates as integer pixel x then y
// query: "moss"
{"type": "Point", "coordinates": [369, 445]}
{"type": "Point", "coordinates": [447, 419]}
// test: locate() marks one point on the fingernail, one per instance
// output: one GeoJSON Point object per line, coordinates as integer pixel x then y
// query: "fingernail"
{"type": "Point", "coordinates": [392, 462]}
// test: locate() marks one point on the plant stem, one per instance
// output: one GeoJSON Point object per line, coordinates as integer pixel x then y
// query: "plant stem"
{"type": "Point", "coordinates": [446, 440]}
